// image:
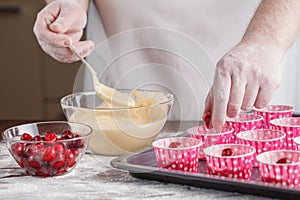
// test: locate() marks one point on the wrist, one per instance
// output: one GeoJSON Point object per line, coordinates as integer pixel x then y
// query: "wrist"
{"type": "Point", "coordinates": [84, 4]}
{"type": "Point", "coordinates": [263, 46]}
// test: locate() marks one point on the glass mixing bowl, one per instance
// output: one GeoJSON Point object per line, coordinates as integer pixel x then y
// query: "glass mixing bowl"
{"type": "Point", "coordinates": [118, 131]}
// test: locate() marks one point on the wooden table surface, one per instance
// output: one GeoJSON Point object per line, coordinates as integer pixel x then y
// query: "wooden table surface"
{"type": "Point", "coordinates": [93, 178]}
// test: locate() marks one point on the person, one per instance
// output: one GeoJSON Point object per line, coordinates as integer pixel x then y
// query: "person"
{"type": "Point", "coordinates": [246, 39]}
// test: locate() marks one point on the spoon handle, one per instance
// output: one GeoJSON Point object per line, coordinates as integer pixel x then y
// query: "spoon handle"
{"type": "Point", "coordinates": [91, 69]}
{"type": "Point", "coordinates": [94, 73]}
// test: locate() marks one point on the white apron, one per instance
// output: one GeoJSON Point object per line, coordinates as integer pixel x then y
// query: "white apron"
{"type": "Point", "coordinates": [181, 28]}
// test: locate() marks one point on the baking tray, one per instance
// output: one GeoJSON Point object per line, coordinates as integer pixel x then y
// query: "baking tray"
{"type": "Point", "coordinates": [143, 165]}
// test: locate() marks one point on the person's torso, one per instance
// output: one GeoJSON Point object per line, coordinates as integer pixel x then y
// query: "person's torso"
{"type": "Point", "coordinates": [168, 57]}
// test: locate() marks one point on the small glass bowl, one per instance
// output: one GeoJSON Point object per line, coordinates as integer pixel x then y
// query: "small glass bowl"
{"type": "Point", "coordinates": [210, 136]}
{"type": "Point", "coordinates": [47, 158]}
{"type": "Point", "coordinates": [244, 122]}
{"type": "Point", "coordinates": [177, 153]}
{"type": "Point", "coordinates": [273, 112]}
{"type": "Point", "coordinates": [262, 140]}
{"type": "Point", "coordinates": [237, 163]}
{"type": "Point", "coordinates": [273, 168]}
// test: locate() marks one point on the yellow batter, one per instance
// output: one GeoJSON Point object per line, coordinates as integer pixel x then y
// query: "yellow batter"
{"type": "Point", "coordinates": [121, 130]}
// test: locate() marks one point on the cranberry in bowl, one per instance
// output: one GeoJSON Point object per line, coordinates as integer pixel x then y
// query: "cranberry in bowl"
{"type": "Point", "coordinates": [280, 167]}
{"type": "Point", "coordinates": [47, 148]}
{"type": "Point", "coordinates": [230, 160]}
{"type": "Point", "coordinates": [210, 136]}
{"type": "Point", "coordinates": [262, 140]}
{"type": "Point", "coordinates": [177, 153]}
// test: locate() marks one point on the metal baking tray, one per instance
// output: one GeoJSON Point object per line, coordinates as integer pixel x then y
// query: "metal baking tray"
{"type": "Point", "coordinates": [143, 165]}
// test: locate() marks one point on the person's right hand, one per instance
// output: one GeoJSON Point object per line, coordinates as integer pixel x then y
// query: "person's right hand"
{"type": "Point", "coordinates": [68, 20]}
{"type": "Point", "coordinates": [246, 77]}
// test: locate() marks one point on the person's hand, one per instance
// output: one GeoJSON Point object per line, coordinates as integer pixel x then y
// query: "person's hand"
{"type": "Point", "coordinates": [68, 20]}
{"type": "Point", "coordinates": [246, 76]}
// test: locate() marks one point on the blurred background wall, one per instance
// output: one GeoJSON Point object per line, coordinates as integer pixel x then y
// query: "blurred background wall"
{"type": "Point", "coordinates": [31, 82]}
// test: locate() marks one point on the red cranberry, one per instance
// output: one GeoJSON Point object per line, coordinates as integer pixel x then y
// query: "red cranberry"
{"type": "Point", "coordinates": [49, 154]}
{"type": "Point", "coordinates": [67, 134]}
{"type": "Point", "coordinates": [68, 153]}
{"type": "Point", "coordinates": [75, 135]}
{"type": "Point", "coordinates": [37, 138]}
{"type": "Point", "coordinates": [61, 171]}
{"type": "Point", "coordinates": [71, 163]}
{"type": "Point", "coordinates": [42, 173]}
{"type": "Point", "coordinates": [75, 152]}
{"type": "Point", "coordinates": [70, 158]}
{"type": "Point", "coordinates": [283, 161]}
{"type": "Point", "coordinates": [58, 148]}
{"type": "Point", "coordinates": [67, 144]}
{"type": "Point", "coordinates": [26, 136]}
{"type": "Point", "coordinates": [175, 145]}
{"type": "Point", "coordinates": [33, 162]}
{"type": "Point", "coordinates": [34, 149]}
{"type": "Point", "coordinates": [18, 148]}
{"type": "Point", "coordinates": [227, 152]}
{"type": "Point", "coordinates": [78, 143]}
{"type": "Point", "coordinates": [50, 136]}
{"type": "Point", "coordinates": [58, 163]}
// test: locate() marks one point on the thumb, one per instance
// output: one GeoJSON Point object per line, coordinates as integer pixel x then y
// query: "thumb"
{"type": "Point", "coordinates": [70, 16]}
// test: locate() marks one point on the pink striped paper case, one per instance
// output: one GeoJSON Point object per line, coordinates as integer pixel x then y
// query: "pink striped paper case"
{"type": "Point", "coordinates": [262, 140]}
{"type": "Point", "coordinates": [244, 122]}
{"type": "Point", "coordinates": [230, 160]}
{"type": "Point", "coordinates": [296, 141]}
{"type": "Point", "coordinates": [281, 167]}
{"type": "Point", "coordinates": [210, 136]}
{"type": "Point", "coordinates": [177, 153]}
{"type": "Point", "coordinates": [291, 127]}
{"type": "Point", "coordinates": [273, 112]}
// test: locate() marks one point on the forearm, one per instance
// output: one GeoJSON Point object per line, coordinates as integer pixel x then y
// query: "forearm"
{"type": "Point", "coordinates": [276, 23]}
{"type": "Point", "coordinates": [83, 3]}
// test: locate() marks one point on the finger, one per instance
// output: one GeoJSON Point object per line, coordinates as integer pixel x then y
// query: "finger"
{"type": "Point", "coordinates": [206, 117]}
{"type": "Point", "coordinates": [75, 36]}
{"type": "Point", "coordinates": [221, 91]}
{"type": "Point", "coordinates": [63, 51]}
{"type": "Point", "coordinates": [67, 19]}
{"type": "Point", "coordinates": [47, 16]}
{"type": "Point", "coordinates": [84, 47]}
{"type": "Point", "coordinates": [264, 96]}
{"type": "Point", "coordinates": [53, 39]}
{"type": "Point", "coordinates": [59, 40]}
{"type": "Point", "coordinates": [236, 95]}
{"type": "Point", "coordinates": [63, 55]}
{"type": "Point", "coordinates": [66, 56]}
{"type": "Point", "coordinates": [249, 97]}
{"type": "Point", "coordinates": [43, 33]}
{"type": "Point", "coordinates": [65, 59]}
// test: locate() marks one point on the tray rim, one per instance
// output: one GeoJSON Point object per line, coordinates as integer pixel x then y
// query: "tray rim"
{"type": "Point", "coordinates": [202, 180]}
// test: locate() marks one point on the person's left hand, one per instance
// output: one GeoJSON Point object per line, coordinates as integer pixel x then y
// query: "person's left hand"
{"type": "Point", "coordinates": [59, 25]}
{"type": "Point", "coordinates": [246, 76]}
